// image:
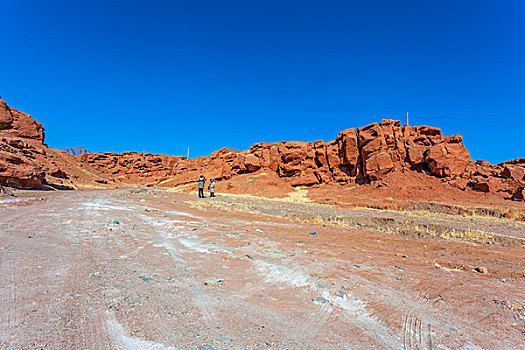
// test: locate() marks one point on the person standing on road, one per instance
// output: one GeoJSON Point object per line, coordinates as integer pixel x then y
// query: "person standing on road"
{"type": "Point", "coordinates": [211, 187]}
{"type": "Point", "coordinates": [202, 181]}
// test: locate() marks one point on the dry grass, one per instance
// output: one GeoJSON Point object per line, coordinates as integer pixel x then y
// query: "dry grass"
{"type": "Point", "coordinates": [398, 227]}
{"type": "Point", "coordinates": [178, 188]}
{"type": "Point", "coordinates": [469, 235]}
{"type": "Point", "coordinates": [300, 195]}
{"type": "Point", "coordinates": [336, 221]}
{"type": "Point", "coordinates": [83, 186]}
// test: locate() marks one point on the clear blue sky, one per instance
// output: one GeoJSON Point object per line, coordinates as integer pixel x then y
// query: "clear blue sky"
{"type": "Point", "coordinates": [164, 75]}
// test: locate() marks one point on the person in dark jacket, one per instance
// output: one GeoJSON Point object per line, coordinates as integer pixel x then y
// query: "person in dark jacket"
{"type": "Point", "coordinates": [211, 187]}
{"type": "Point", "coordinates": [202, 181]}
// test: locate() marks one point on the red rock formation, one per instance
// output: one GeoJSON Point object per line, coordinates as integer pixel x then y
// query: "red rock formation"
{"type": "Point", "coordinates": [16, 171]}
{"type": "Point", "coordinates": [368, 155]}
{"type": "Point", "coordinates": [516, 173]}
{"type": "Point", "coordinates": [374, 153]}
{"type": "Point", "coordinates": [17, 124]}
{"type": "Point", "coordinates": [130, 166]}
{"type": "Point", "coordinates": [518, 195]}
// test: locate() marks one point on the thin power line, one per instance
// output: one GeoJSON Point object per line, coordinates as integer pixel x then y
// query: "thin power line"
{"type": "Point", "coordinates": [470, 116]}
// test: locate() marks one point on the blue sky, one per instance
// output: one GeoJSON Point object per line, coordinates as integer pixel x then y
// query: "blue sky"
{"type": "Point", "coordinates": [164, 75]}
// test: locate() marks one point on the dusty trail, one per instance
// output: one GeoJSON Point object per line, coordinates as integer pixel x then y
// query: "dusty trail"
{"type": "Point", "coordinates": [156, 270]}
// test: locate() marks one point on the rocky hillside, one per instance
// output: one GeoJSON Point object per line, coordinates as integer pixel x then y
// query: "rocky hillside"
{"type": "Point", "coordinates": [362, 156]}
{"type": "Point", "coordinates": [27, 163]}
{"type": "Point", "coordinates": [370, 154]}
{"type": "Point", "coordinates": [19, 134]}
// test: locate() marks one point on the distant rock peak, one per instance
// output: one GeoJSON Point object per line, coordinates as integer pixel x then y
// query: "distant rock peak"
{"type": "Point", "coordinates": [76, 151]}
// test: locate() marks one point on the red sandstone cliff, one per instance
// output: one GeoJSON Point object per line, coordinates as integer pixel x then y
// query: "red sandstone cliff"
{"type": "Point", "coordinates": [18, 133]}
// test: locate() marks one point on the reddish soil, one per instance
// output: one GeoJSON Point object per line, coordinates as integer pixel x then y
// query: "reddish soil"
{"type": "Point", "coordinates": [152, 269]}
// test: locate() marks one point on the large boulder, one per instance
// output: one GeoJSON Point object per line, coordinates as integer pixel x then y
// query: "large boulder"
{"type": "Point", "coordinates": [516, 173]}
{"type": "Point", "coordinates": [372, 146]}
{"type": "Point", "coordinates": [252, 163]}
{"type": "Point", "coordinates": [6, 118]}
{"type": "Point", "coordinates": [447, 159]}
{"type": "Point", "coordinates": [305, 178]}
{"type": "Point", "coordinates": [382, 148]}
{"type": "Point", "coordinates": [483, 184]}
{"type": "Point", "coordinates": [378, 165]}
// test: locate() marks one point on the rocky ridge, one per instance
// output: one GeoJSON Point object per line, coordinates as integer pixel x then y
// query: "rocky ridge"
{"type": "Point", "coordinates": [362, 156]}
{"type": "Point", "coordinates": [368, 155]}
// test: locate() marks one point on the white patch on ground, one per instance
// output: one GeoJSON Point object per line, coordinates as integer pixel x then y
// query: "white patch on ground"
{"type": "Point", "coordinates": [281, 273]}
{"type": "Point", "coordinates": [167, 222]}
{"type": "Point", "coordinates": [9, 208]}
{"type": "Point", "coordinates": [174, 252]}
{"type": "Point", "coordinates": [12, 200]}
{"type": "Point", "coordinates": [354, 308]}
{"type": "Point", "coordinates": [469, 346]}
{"type": "Point", "coordinates": [193, 244]}
{"type": "Point", "coordinates": [100, 205]}
{"type": "Point", "coordinates": [125, 342]}
{"type": "Point", "coordinates": [357, 313]}
{"type": "Point", "coordinates": [262, 223]}
{"type": "Point", "coordinates": [181, 213]}
{"type": "Point", "coordinates": [350, 304]}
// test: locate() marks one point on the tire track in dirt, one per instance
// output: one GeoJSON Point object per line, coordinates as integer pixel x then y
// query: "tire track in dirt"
{"type": "Point", "coordinates": [9, 314]}
{"type": "Point", "coordinates": [82, 327]}
{"type": "Point", "coordinates": [392, 310]}
{"type": "Point", "coordinates": [416, 336]}
{"type": "Point", "coordinates": [371, 311]}
{"type": "Point", "coordinates": [311, 324]}
{"type": "Point", "coordinates": [30, 294]}
{"type": "Point", "coordinates": [179, 253]}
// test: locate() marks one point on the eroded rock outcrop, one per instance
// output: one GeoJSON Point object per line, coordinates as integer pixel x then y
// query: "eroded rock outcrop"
{"type": "Point", "coordinates": [365, 155]}
{"type": "Point", "coordinates": [370, 154]}
{"type": "Point", "coordinates": [130, 166]}
{"type": "Point", "coordinates": [16, 171]}
{"type": "Point", "coordinates": [18, 124]}
{"type": "Point", "coordinates": [17, 133]}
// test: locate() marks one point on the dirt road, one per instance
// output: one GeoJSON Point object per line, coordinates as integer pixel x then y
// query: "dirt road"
{"type": "Point", "coordinates": [144, 269]}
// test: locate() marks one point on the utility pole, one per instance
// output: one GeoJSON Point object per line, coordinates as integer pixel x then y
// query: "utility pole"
{"type": "Point", "coordinates": [407, 118]}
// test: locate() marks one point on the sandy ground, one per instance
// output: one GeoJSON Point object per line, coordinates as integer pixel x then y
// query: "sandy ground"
{"type": "Point", "coordinates": [147, 269]}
